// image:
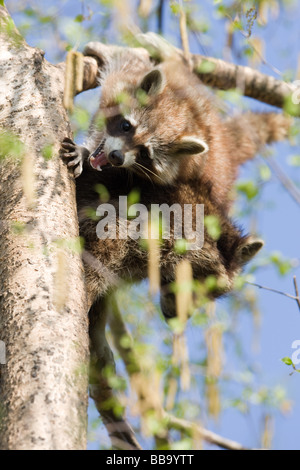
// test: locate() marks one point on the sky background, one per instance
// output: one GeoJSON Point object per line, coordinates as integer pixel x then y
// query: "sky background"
{"type": "Point", "coordinates": [275, 216]}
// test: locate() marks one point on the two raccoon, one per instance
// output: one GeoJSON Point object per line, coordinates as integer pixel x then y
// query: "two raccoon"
{"type": "Point", "coordinates": [161, 134]}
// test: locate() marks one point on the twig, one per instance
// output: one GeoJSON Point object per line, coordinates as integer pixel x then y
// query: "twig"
{"type": "Point", "coordinates": [262, 58]}
{"type": "Point", "coordinates": [144, 8]}
{"type": "Point", "coordinates": [209, 436]}
{"type": "Point", "coordinates": [184, 36]}
{"type": "Point", "coordinates": [120, 432]}
{"type": "Point", "coordinates": [224, 75]}
{"type": "Point", "coordinates": [284, 179]}
{"type": "Point", "coordinates": [296, 291]}
{"type": "Point", "coordinates": [213, 72]}
{"type": "Point", "coordinates": [297, 298]}
{"type": "Point", "coordinates": [118, 330]}
{"type": "Point", "coordinates": [160, 10]}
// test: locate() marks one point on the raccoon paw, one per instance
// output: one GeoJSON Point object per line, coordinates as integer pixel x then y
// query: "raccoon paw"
{"type": "Point", "coordinates": [75, 155]}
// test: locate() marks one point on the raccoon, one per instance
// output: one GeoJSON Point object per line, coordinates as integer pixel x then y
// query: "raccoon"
{"type": "Point", "coordinates": [109, 262]}
{"type": "Point", "coordinates": [160, 123]}
{"type": "Point", "coordinates": [161, 133]}
{"type": "Point", "coordinates": [162, 136]}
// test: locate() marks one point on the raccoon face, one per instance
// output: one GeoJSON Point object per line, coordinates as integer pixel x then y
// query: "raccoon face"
{"type": "Point", "coordinates": [145, 139]}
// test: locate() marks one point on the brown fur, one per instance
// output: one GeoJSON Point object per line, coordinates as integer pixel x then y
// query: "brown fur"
{"type": "Point", "coordinates": [178, 112]}
{"type": "Point", "coordinates": [127, 260]}
{"type": "Point", "coordinates": [188, 154]}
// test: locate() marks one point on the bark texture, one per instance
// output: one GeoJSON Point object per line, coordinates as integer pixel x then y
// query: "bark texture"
{"type": "Point", "coordinates": [43, 311]}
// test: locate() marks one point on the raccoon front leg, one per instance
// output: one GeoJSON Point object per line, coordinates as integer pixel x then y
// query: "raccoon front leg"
{"type": "Point", "coordinates": [75, 154]}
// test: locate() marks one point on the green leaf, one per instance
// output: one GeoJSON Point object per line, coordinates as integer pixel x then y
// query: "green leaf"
{"type": "Point", "coordinates": [82, 118]}
{"type": "Point", "coordinates": [47, 152]}
{"type": "Point", "coordinates": [287, 361]}
{"type": "Point", "coordinates": [29, 12]}
{"type": "Point", "coordinates": [294, 160]}
{"type": "Point", "coordinates": [103, 192]}
{"type": "Point", "coordinates": [291, 107]}
{"type": "Point", "coordinates": [265, 172]}
{"type": "Point", "coordinates": [18, 227]}
{"type": "Point", "coordinates": [134, 197]}
{"type": "Point", "coordinates": [175, 8]}
{"type": "Point", "coordinates": [46, 19]}
{"type": "Point", "coordinates": [79, 18]}
{"type": "Point", "coordinates": [184, 444]}
{"type": "Point", "coordinates": [212, 225]}
{"type": "Point", "coordinates": [10, 145]}
{"type": "Point", "coordinates": [181, 246]}
{"type": "Point", "coordinates": [283, 265]}
{"type": "Point", "coordinates": [90, 212]}
{"type": "Point", "coordinates": [206, 66]}
{"type": "Point", "coordinates": [248, 188]}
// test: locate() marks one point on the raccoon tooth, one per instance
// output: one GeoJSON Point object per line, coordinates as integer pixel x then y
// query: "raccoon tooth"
{"type": "Point", "coordinates": [99, 168]}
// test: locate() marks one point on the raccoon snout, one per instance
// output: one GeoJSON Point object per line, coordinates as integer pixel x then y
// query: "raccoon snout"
{"type": "Point", "coordinates": [116, 158]}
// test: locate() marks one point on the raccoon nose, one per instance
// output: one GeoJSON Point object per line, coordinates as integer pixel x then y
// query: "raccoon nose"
{"type": "Point", "coordinates": [116, 158]}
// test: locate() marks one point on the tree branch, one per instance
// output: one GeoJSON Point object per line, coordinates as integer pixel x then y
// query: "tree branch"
{"type": "Point", "coordinates": [211, 71]}
{"type": "Point", "coordinates": [296, 291]}
{"type": "Point", "coordinates": [286, 182]}
{"type": "Point", "coordinates": [297, 298]}
{"type": "Point", "coordinates": [223, 75]}
{"type": "Point", "coordinates": [119, 330]}
{"type": "Point", "coordinates": [120, 432]}
{"type": "Point", "coordinates": [202, 433]}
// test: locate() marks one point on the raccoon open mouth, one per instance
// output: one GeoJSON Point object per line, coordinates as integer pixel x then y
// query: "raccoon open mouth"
{"type": "Point", "coordinates": [98, 158]}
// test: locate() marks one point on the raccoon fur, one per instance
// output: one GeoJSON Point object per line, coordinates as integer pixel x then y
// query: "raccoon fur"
{"type": "Point", "coordinates": [157, 130]}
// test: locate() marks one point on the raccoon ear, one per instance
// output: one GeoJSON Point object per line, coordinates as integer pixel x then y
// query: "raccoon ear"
{"type": "Point", "coordinates": [190, 146]}
{"type": "Point", "coordinates": [249, 249]}
{"type": "Point", "coordinates": [153, 83]}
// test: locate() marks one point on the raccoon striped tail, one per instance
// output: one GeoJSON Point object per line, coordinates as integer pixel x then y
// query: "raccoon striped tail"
{"type": "Point", "coordinates": [250, 132]}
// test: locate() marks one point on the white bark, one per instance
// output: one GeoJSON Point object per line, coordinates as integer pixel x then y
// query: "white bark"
{"type": "Point", "coordinates": [43, 312]}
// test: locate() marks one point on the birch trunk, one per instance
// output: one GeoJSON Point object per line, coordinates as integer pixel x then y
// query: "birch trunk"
{"type": "Point", "coordinates": [43, 311]}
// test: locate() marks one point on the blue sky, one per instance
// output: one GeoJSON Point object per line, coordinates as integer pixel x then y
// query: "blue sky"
{"type": "Point", "coordinates": [277, 222]}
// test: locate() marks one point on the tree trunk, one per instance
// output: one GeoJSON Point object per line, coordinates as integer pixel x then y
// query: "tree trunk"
{"type": "Point", "coordinates": [43, 311]}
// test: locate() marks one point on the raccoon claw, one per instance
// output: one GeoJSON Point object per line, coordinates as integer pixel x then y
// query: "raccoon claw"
{"type": "Point", "coordinates": [78, 171]}
{"type": "Point", "coordinates": [75, 154]}
{"type": "Point", "coordinates": [68, 148]}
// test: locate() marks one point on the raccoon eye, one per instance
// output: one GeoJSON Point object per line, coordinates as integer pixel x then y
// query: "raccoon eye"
{"type": "Point", "coordinates": [125, 125]}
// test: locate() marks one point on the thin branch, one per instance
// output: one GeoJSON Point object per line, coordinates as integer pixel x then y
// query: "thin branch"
{"type": "Point", "coordinates": [296, 291]}
{"type": "Point", "coordinates": [211, 71]}
{"type": "Point", "coordinates": [118, 330]}
{"type": "Point", "coordinates": [120, 432]}
{"type": "Point", "coordinates": [184, 36]}
{"type": "Point", "coordinates": [144, 8]}
{"type": "Point", "coordinates": [209, 436]}
{"type": "Point", "coordinates": [160, 11]}
{"type": "Point", "coordinates": [224, 75]}
{"type": "Point", "coordinates": [297, 298]}
{"type": "Point", "coordinates": [284, 179]}
{"type": "Point", "coordinates": [247, 36]}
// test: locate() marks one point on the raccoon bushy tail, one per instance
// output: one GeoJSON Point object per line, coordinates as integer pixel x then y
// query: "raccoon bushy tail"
{"type": "Point", "coordinates": [250, 132]}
